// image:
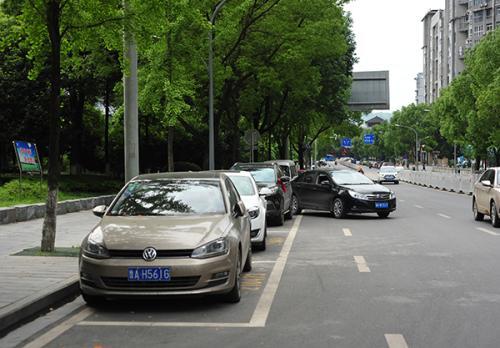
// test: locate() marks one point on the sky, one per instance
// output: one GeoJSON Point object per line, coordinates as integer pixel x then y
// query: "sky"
{"type": "Point", "coordinates": [389, 37]}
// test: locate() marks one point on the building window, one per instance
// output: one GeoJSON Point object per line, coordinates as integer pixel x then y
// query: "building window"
{"type": "Point", "coordinates": [488, 13]}
{"type": "Point", "coordinates": [478, 16]}
{"type": "Point", "coordinates": [489, 27]}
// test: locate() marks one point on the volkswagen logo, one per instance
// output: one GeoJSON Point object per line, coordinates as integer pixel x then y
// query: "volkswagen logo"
{"type": "Point", "coordinates": [149, 254]}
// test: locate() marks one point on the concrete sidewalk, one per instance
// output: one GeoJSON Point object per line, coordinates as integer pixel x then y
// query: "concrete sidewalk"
{"type": "Point", "coordinates": [30, 283]}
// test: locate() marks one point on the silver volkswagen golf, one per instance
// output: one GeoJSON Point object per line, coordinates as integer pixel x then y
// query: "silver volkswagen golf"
{"type": "Point", "coordinates": [168, 234]}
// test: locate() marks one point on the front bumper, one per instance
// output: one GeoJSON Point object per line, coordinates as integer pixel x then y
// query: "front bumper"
{"type": "Point", "coordinates": [364, 206]}
{"type": "Point", "coordinates": [258, 227]}
{"type": "Point", "coordinates": [108, 277]}
{"type": "Point", "coordinates": [388, 179]}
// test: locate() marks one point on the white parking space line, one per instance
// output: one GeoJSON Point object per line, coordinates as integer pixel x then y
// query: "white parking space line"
{"type": "Point", "coordinates": [444, 216]}
{"type": "Point", "coordinates": [396, 341]}
{"type": "Point", "coordinates": [361, 263]}
{"type": "Point", "coordinates": [485, 230]}
{"type": "Point", "coordinates": [418, 206]}
{"type": "Point", "coordinates": [263, 308]}
{"type": "Point", "coordinates": [263, 261]}
{"type": "Point", "coordinates": [347, 232]}
{"type": "Point", "coordinates": [49, 336]}
{"type": "Point", "coordinates": [161, 324]}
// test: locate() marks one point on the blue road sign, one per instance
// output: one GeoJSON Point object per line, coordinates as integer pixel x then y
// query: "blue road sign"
{"type": "Point", "coordinates": [369, 139]}
{"type": "Point", "coordinates": [346, 142]}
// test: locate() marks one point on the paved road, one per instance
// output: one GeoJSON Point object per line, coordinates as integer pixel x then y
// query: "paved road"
{"type": "Point", "coordinates": [425, 277]}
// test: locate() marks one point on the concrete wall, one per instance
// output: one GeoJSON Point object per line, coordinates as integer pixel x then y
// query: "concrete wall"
{"type": "Point", "coordinates": [35, 211]}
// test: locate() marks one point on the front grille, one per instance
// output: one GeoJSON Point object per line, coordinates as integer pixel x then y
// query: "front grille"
{"type": "Point", "coordinates": [174, 283]}
{"type": "Point", "coordinates": [378, 196]}
{"type": "Point", "coordinates": [137, 254]}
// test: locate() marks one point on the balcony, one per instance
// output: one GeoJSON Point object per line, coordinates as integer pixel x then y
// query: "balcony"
{"type": "Point", "coordinates": [463, 2]}
{"type": "Point", "coordinates": [462, 24]}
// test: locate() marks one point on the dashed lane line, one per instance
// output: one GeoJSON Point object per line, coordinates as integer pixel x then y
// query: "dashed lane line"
{"type": "Point", "coordinates": [347, 232]}
{"type": "Point", "coordinates": [418, 206]}
{"type": "Point", "coordinates": [396, 341]}
{"type": "Point", "coordinates": [362, 265]}
{"type": "Point", "coordinates": [444, 216]}
{"type": "Point", "coordinates": [485, 230]}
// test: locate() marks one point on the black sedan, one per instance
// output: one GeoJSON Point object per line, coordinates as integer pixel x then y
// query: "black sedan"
{"type": "Point", "coordinates": [342, 192]}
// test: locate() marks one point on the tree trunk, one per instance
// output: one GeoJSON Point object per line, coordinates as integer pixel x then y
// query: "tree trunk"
{"type": "Point", "coordinates": [170, 148]}
{"type": "Point", "coordinates": [301, 154]}
{"type": "Point", "coordinates": [477, 164]}
{"type": "Point", "coordinates": [77, 106]}
{"type": "Point", "coordinates": [49, 223]}
{"type": "Point", "coordinates": [107, 168]}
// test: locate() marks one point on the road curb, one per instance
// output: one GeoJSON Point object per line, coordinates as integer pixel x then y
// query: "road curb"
{"type": "Point", "coordinates": [14, 314]}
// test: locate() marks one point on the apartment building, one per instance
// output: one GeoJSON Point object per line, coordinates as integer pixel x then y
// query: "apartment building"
{"type": "Point", "coordinates": [448, 34]}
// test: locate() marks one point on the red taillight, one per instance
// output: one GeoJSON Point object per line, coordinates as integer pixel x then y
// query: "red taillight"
{"type": "Point", "coordinates": [283, 187]}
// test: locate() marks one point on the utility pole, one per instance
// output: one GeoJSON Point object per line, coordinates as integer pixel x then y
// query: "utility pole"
{"type": "Point", "coordinates": [130, 91]}
{"type": "Point", "coordinates": [211, 130]}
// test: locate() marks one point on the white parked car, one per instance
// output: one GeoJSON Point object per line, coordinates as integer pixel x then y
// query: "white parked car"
{"type": "Point", "coordinates": [388, 174]}
{"type": "Point", "coordinates": [255, 204]}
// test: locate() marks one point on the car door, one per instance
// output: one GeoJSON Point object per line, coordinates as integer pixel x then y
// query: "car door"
{"type": "Point", "coordinates": [483, 191]}
{"type": "Point", "coordinates": [242, 223]}
{"type": "Point", "coordinates": [323, 192]}
{"type": "Point", "coordinates": [307, 188]}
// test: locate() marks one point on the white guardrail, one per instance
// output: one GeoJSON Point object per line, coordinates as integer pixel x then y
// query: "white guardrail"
{"type": "Point", "coordinates": [463, 183]}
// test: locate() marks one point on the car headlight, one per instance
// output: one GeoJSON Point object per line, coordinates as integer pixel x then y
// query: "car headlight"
{"type": "Point", "coordinates": [268, 191]}
{"type": "Point", "coordinates": [357, 195]}
{"type": "Point", "coordinates": [214, 248]}
{"type": "Point", "coordinates": [254, 212]}
{"type": "Point", "coordinates": [95, 245]}
{"type": "Point", "coordinates": [392, 196]}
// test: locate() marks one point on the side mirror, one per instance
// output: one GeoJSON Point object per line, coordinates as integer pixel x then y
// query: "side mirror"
{"type": "Point", "coordinates": [486, 183]}
{"type": "Point", "coordinates": [99, 210]}
{"type": "Point", "coordinates": [285, 179]}
{"type": "Point", "coordinates": [239, 209]}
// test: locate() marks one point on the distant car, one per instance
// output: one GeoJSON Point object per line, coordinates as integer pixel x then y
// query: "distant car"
{"type": "Point", "coordinates": [168, 234]}
{"type": "Point", "coordinates": [342, 192]}
{"type": "Point", "coordinates": [255, 204]}
{"type": "Point", "coordinates": [388, 174]}
{"type": "Point", "coordinates": [486, 196]}
{"type": "Point", "coordinates": [387, 164]}
{"type": "Point", "coordinates": [274, 186]}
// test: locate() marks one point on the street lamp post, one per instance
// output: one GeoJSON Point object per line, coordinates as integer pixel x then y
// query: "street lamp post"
{"type": "Point", "coordinates": [211, 130]}
{"type": "Point", "coordinates": [416, 143]}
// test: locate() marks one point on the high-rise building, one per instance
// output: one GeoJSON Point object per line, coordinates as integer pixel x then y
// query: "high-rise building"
{"type": "Point", "coordinates": [448, 34]}
{"type": "Point", "coordinates": [420, 89]}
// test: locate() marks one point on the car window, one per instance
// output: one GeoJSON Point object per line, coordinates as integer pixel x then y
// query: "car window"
{"type": "Point", "coordinates": [286, 170]}
{"type": "Point", "coordinates": [492, 177]}
{"type": "Point", "coordinates": [243, 184]}
{"type": "Point", "coordinates": [309, 177]}
{"type": "Point", "coordinates": [232, 193]}
{"type": "Point", "coordinates": [387, 169]}
{"type": "Point", "coordinates": [293, 171]}
{"type": "Point", "coordinates": [170, 197]}
{"type": "Point", "coordinates": [322, 178]}
{"type": "Point", "coordinates": [498, 178]}
{"type": "Point", "coordinates": [350, 178]}
{"type": "Point", "coordinates": [261, 174]}
{"type": "Point", "coordinates": [485, 176]}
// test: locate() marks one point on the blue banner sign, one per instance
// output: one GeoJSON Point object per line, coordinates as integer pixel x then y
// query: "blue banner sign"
{"type": "Point", "coordinates": [369, 139]}
{"type": "Point", "coordinates": [346, 142]}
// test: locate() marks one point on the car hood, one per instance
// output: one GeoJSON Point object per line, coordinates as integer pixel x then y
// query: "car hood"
{"type": "Point", "coordinates": [251, 201]}
{"type": "Point", "coordinates": [161, 232]}
{"type": "Point", "coordinates": [265, 184]}
{"type": "Point", "coordinates": [369, 188]}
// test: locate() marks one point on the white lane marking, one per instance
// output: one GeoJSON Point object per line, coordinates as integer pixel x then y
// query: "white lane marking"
{"type": "Point", "coordinates": [485, 230]}
{"type": "Point", "coordinates": [161, 324]}
{"type": "Point", "coordinates": [264, 261]}
{"type": "Point", "coordinates": [396, 341]}
{"type": "Point", "coordinates": [261, 312]}
{"type": "Point", "coordinates": [401, 200]}
{"type": "Point", "coordinates": [444, 216]}
{"type": "Point", "coordinates": [418, 206]}
{"type": "Point", "coordinates": [49, 336]}
{"type": "Point", "coordinates": [361, 263]}
{"type": "Point", "coordinates": [347, 232]}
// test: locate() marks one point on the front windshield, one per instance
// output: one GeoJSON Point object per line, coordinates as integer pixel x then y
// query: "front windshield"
{"type": "Point", "coordinates": [350, 178]}
{"type": "Point", "coordinates": [387, 169]}
{"type": "Point", "coordinates": [261, 174]}
{"type": "Point", "coordinates": [170, 197]}
{"type": "Point", "coordinates": [243, 184]}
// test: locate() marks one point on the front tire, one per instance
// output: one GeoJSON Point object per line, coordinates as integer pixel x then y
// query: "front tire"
{"type": "Point", "coordinates": [248, 263]}
{"type": "Point", "coordinates": [279, 220]}
{"type": "Point", "coordinates": [93, 301]}
{"type": "Point", "coordinates": [261, 246]}
{"type": "Point", "coordinates": [495, 220]}
{"type": "Point", "coordinates": [234, 296]}
{"type": "Point", "coordinates": [338, 208]}
{"type": "Point", "coordinates": [295, 205]}
{"type": "Point", "coordinates": [477, 215]}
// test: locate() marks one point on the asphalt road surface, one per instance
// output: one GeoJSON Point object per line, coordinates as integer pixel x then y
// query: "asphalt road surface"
{"type": "Point", "coordinates": [425, 277]}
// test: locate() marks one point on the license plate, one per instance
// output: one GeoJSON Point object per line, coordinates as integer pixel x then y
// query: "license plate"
{"type": "Point", "coordinates": [382, 205]}
{"type": "Point", "coordinates": [148, 274]}
{"type": "Point", "coordinates": [389, 177]}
